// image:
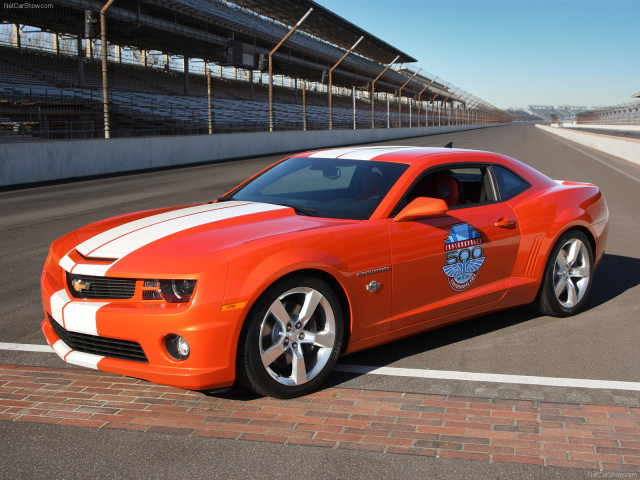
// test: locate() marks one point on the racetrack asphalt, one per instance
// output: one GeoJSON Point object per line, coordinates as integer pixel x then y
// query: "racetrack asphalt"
{"type": "Point", "coordinates": [601, 343]}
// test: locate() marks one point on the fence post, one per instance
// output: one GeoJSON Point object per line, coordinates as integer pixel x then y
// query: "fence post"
{"type": "Point", "coordinates": [209, 114]}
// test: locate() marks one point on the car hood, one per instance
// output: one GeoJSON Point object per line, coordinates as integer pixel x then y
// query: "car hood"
{"type": "Point", "coordinates": [194, 230]}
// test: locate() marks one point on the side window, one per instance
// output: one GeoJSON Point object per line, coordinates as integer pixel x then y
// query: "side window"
{"type": "Point", "coordinates": [456, 185]}
{"type": "Point", "coordinates": [509, 183]}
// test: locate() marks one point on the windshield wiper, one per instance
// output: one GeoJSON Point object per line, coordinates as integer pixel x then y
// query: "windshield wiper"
{"type": "Point", "coordinates": [224, 198]}
{"type": "Point", "coordinates": [311, 212]}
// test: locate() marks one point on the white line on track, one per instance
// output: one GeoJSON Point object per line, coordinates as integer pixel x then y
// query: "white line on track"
{"type": "Point", "coordinates": [24, 347]}
{"type": "Point", "coordinates": [432, 374]}
{"type": "Point", "coordinates": [489, 377]}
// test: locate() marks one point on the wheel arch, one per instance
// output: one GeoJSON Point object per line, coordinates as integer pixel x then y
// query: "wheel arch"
{"type": "Point", "coordinates": [588, 234]}
{"type": "Point", "coordinates": [337, 287]}
{"type": "Point", "coordinates": [577, 227]}
{"type": "Point", "coordinates": [252, 379]}
{"type": "Point", "coordinates": [561, 233]}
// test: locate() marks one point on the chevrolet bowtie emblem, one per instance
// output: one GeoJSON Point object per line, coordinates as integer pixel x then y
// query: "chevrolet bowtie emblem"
{"type": "Point", "coordinates": [80, 285]}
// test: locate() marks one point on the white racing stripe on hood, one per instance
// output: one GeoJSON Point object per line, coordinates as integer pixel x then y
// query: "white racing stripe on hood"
{"type": "Point", "coordinates": [86, 247]}
{"type": "Point", "coordinates": [91, 269]}
{"type": "Point", "coordinates": [67, 263]}
{"type": "Point", "coordinates": [124, 244]}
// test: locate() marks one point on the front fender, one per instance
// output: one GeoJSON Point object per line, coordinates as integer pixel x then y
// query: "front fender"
{"type": "Point", "coordinates": [248, 279]}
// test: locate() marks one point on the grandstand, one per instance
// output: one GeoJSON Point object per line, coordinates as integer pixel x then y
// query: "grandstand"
{"type": "Point", "coordinates": [520, 115]}
{"type": "Point", "coordinates": [565, 113]}
{"type": "Point", "coordinates": [177, 67]}
{"type": "Point", "coordinates": [623, 114]}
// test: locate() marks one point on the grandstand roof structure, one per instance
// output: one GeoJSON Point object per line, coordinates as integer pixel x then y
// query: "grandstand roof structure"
{"type": "Point", "coordinates": [206, 29]}
{"type": "Point", "coordinates": [326, 24]}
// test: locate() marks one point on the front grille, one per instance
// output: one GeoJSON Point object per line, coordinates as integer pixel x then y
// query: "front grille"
{"type": "Point", "coordinates": [103, 346]}
{"type": "Point", "coordinates": [101, 287]}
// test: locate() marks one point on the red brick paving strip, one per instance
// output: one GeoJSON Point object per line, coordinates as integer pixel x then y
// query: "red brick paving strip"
{"type": "Point", "coordinates": [598, 437]}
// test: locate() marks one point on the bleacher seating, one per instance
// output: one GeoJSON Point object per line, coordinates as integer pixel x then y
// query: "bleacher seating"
{"type": "Point", "coordinates": [151, 101]}
{"type": "Point", "coordinates": [522, 116]}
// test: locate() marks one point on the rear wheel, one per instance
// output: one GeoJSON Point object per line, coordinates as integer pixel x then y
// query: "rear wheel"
{"type": "Point", "coordinates": [291, 339]}
{"type": "Point", "coordinates": [567, 277]}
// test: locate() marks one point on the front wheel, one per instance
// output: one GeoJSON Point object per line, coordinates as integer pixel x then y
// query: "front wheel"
{"type": "Point", "coordinates": [567, 277]}
{"type": "Point", "coordinates": [291, 339]}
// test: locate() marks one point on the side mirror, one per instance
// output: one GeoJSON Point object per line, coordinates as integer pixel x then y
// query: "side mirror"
{"type": "Point", "coordinates": [422, 207]}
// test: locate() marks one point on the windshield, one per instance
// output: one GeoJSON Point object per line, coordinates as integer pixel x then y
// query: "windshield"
{"type": "Point", "coordinates": [324, 187]}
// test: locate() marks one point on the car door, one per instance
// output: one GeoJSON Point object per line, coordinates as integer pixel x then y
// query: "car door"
{"type": "Point", "coordinates": [457, 261]}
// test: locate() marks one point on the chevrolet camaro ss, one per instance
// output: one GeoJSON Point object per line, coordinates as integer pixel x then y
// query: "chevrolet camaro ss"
{"type": "Point", "coordinates": [323, 253]}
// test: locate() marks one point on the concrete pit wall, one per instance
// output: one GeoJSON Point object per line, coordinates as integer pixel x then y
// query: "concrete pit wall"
{"type": "Point", "coordinates": [622, 147]}
{"type": "Point", "coordinates": [41, 161]}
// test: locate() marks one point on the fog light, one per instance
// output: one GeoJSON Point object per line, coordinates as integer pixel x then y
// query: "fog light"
{"type": "Point", "coordinates": [177, 347]}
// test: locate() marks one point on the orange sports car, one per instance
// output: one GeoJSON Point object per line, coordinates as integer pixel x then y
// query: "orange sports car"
{"type": "Point", "coordinates": [321, 254]}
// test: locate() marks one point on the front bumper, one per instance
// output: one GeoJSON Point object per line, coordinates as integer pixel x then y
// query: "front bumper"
{"type": "Point", "coordinates": [192, 378]}
{"type": "Point", "coordinates": [212, 335]}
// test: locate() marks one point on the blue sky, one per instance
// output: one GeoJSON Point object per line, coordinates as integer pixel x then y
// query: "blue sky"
{"type": "Point", "coordinates": [514, 52]}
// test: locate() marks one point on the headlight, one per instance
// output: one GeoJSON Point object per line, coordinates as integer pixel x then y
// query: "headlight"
{"type": "Point", "coordinates": [172, 291]}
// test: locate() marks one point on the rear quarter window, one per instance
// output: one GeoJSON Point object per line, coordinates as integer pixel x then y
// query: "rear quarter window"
{"type": "Point", "coordinates": [509, 183]}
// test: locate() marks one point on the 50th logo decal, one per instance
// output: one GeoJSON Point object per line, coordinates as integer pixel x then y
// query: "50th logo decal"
{"type": "Point", "coordinates": [464, 256]}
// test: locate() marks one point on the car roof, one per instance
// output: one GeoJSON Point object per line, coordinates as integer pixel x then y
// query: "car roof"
{"type": "Point", "coordinates": [392, 153]}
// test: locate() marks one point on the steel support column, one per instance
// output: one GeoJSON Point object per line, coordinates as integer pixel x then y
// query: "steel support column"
{"type": "Point", "coordinates": [462, 103]}
{"type": "Point", "coordinates": [400, 97]}
{"type": "Point", "coordinates": [353, 93]}
{"type": "Point", "coordinates": [433, 101]}
{"type": "Point", "coordinates": [304, 106]}
{"type": "Point", "coordinates": [209, 113]}
{"type": "Point", "coordinates": [445, 105]}
{"type": "Point", "coordinates": [373, 89]}
{"type": "Point", "coordinates": [105, 76]}
{"type": "Point", "coordinates": [275, 49]}
{"type": "Point", "coordinates": [331, 81]}
{"type": "Point", "coordinates": [419, 103]}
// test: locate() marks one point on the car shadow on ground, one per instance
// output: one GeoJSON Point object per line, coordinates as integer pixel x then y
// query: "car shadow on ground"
{"type": "Point", "coordinates": [615, 275]}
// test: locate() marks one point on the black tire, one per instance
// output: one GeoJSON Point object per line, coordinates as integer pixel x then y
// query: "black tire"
{"type": "Point", "coordinates": [283, 363]}
{"type": "Point", "coordinates": [567, 276]}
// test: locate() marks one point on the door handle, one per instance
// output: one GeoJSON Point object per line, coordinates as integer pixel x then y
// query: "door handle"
{"type": "Point", "coordinates": [505, 223]}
